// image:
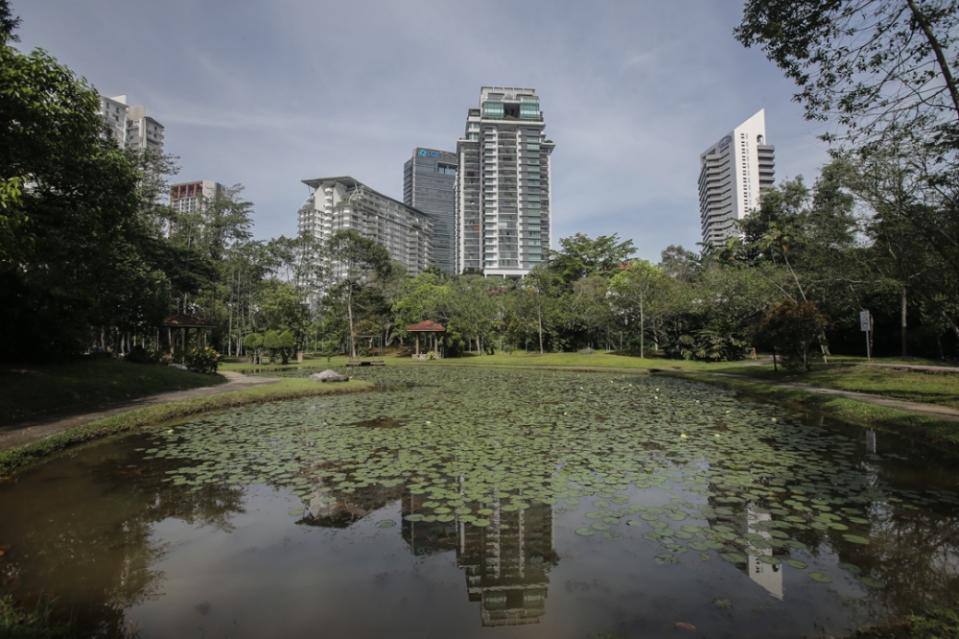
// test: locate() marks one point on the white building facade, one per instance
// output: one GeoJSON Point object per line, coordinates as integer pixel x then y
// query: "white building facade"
{"type": "Point", "coordinates": [503, 204]}
{"type": "Point", "coordinates": [337, 203]}
{"type": "Point", "coordinates": [733, 175]}
{"type": "Point", "coordinates": [130, 126]}
{"type": "Point", "coordinates": [192, 197]}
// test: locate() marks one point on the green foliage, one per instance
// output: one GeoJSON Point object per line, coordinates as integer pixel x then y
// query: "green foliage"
{"type": "Point", "coordinates": [140, 355]}
{"type": "Point", "coordinates": [582, 255]}
{"type": "Point", "coordinates": [203, 360]}
{"type": "Point", "coordinates": [280, 344]}
{"type": "Point", "coordinates": [789, 328]}
{"type": "Point", "coordinates": [36, 623]}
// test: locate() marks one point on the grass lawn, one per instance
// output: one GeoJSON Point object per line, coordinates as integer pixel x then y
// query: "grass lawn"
{"type": "Point", "coordinates": [30, 392]}
{"type": "Point", "coordinates": [11, 460]}
{"type": "Point", "coordinates": [517, 358]}
{"type": "Point", "coordinates": [917, 386]}
{"type": "Point", "coordinates": [922, 427]}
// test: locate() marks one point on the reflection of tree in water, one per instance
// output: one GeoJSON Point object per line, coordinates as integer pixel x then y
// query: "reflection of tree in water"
{"type": "Point", "coordinates": [98, 522]}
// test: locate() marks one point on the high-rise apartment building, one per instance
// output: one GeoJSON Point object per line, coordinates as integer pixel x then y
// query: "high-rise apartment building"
{"type": "Point", "coordinates": [429, 185]}
{"type": "Point", "coordinates": [502, 185]}
{"type": "Point", "coordinates": [130, 126]}
{"type": "Point", "coordinates": [113, 112]}
{"type": "Point", "coordinates": [337, 203]}
{"type": "Point", "coordinates": [733, 175]}
{"type": "Point", "coordinates": [190, 197]}
{"type": "Point", "coordinates": [143, 132]}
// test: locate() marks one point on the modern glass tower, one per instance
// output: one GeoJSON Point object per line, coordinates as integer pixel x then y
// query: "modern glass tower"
{"type": "Point", "coordinates": [502, 186]}
{"type": "Point", "coordinates": [733, 175]}
{"type": "Point", "coordinates": [429, 185]}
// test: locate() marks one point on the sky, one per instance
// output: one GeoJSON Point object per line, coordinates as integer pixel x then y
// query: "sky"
{"type": "Point", "coordinates": [267, 93]}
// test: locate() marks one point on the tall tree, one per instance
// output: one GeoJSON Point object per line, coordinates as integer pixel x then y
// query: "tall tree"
{"type": "Point", "coordinates": [355, 260]}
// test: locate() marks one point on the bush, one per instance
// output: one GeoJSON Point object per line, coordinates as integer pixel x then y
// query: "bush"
{"type": "Point", "coordinates": [789, 328]}
{"type": "Point", "coordinates": [140, 355]}
{"type": "Point", "coordinates": [203, 360]}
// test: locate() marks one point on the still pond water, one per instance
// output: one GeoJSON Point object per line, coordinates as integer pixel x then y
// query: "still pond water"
{"type": "Point", "coordinates": [482, 503]}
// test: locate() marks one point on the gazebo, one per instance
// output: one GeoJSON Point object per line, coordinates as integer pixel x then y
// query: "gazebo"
{"type": "Point", "coordinates": [183, 323]}
{"type": "Point", "coordinates": [426, 326]}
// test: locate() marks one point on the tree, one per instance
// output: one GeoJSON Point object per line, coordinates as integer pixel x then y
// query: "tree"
{"type": "Point", "coordinates": [881, 68]}
{"type": "Point", "coordinates": [789, 328]}
{"type": "Point", "coordinates": [634, 291]}
{"type": "Point", "coordinates": [582, 255]}
{"type": "Point", "coordinates": [680, 263]}
{"type": "Point", "coordinates": [279, 343]}
{"type": "Point", "coordinates": [355, 259]}
{"type": "Point", "coordinates": [73, 249]}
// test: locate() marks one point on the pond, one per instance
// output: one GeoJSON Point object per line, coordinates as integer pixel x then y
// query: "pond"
{"type": "Point", "coordinates": [467, 502]}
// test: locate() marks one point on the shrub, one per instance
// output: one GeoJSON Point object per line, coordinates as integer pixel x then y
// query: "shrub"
{"type": "Point", "coordinates": [203, 360]}
{"type": "Point", "coordinates": [140, 355]}
{"type": "Point", "coordinates": [789, 328]}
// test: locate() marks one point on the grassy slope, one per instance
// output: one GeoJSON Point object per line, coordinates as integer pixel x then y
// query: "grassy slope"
{"type": "Point", "coordinates": [30, 392]}
{"type": "Point", "coordinates": [917, 386]}
{"type": "Point", "coordinates": [161, 413]}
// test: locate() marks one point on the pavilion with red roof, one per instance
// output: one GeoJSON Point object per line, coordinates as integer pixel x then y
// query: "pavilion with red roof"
{"type": "Point", "coordinates": [431, 328]}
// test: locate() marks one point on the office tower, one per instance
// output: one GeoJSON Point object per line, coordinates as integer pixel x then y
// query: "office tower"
{"type": "Point", "coordinates": [733, 175]}
{"type": "Point", "coordinates": [337, 203]}
{"type": "Point", "coordinates": [429, 185]}
{"type": "Point", "coordinates": [190, 197]}
{"type": "Point", "coordinates": [502, 185]}
{"type": "Point", "coordinates": [130, 126]}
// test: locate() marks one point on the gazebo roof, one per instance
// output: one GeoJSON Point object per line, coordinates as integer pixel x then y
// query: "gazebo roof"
{"type": "Point", "coordinates": [186, 321]}
{"type": "Point", "coordinates": [426, 326]}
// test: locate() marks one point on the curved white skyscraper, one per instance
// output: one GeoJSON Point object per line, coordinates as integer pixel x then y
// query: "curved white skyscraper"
{"type": "Point", "coordinates": [733, 175]}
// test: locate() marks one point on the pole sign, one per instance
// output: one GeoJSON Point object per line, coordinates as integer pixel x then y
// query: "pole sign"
{"type": "Point", "coordinates": [865, 325]}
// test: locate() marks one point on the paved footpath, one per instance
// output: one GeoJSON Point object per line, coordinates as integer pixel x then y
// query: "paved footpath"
{"type": "Point", "coordinates": [943, 412]}
{"type": "Point", "coordinates": [16, 435]}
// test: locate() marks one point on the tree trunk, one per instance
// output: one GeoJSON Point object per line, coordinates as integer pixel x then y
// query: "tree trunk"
{"type": "Point", "coordinates": [642, 330]}
{"type": "Point", "coordinates": [936, 47]}
{"type": "Point", "coordinates": [539, 322]}
{"type": "Point", "coordinates": [349, 315]}
{"type": "Point", "coordinates": [902, 322]}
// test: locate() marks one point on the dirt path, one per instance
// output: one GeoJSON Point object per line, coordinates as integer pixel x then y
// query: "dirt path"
{"type": "Point", "coordinates": [942, 412]}
{"type": "Point", "coordinates": [24, 433]}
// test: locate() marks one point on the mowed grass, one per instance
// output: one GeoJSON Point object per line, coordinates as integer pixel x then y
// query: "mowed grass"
{"type": "Point", "coordinates": [920, 427]}
{"type": "Point", "coordinates": [36, 391]}
{"type": "Point", "coordinates": [516, 358]}
{"type": "Point", "coordinates": [152, 415]}
{"type": "Point", "coordinates": [940, 388]}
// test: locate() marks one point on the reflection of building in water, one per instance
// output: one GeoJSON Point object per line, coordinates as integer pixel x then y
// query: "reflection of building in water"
{"type": "Point", "coordinates": [507, 564]}
{"type": "Point", "coordinates": [769, 576]}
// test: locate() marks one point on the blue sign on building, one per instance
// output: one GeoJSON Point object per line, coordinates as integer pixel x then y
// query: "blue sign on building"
{"type": "Point", "coordinates": [426, 153]}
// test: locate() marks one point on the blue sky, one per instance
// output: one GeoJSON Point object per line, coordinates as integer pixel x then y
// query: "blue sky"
{"type": "Point", "coordinates": [267, 93]}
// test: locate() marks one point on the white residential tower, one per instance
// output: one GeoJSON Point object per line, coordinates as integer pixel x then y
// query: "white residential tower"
{"type": "Point", "coordinates": [733, 175]}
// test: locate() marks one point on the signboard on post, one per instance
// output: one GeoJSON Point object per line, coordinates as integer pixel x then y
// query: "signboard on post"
{"type": "Point", "coordinates": [865, 325]}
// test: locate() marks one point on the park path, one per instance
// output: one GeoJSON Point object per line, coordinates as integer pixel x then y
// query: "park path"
{"type": "Point", "coordinates": [16, 435]}
{"type": "Point", "coordinates": [926, 368]}
{"type": "Point", "coordinates": [943, 412]}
